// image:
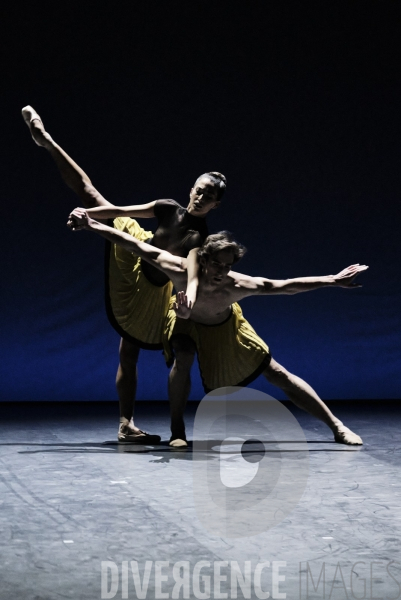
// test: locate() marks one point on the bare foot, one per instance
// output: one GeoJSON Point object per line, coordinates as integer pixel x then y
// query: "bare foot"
{"type": "Point", "coordinates": [36, 127]}
{"type": "Point", "coordinates": [343, 435]}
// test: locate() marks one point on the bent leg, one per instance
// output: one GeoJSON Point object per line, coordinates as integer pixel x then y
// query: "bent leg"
{"type": "Point", "coordinates": [180, 386]}
{"type": "Point", "coordinates": [305, 397]}
{"type": "Point", "coordinates": [72, 174]}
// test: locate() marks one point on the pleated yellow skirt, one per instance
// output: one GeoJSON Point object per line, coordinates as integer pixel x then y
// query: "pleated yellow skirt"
{"type": "Point", "coordinates": [230, 353]}
{"type": "Point", "coordinates": [136, 308]}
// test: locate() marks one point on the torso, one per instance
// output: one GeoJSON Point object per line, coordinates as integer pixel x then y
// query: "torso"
{"type": "Point", "coordinates": [213, 303]}
{"type": "Point", "coordinates": [213, 306]}
{"type": "Point", "coordinates": [210, 310]}
{"type": "Point", "coordinates": [177, 231]}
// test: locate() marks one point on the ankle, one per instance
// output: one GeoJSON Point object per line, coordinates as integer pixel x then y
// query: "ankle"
{"type": "Point", "coordinates": [178, 435]}
{"type": "Point", "coordinates": [49, 143]}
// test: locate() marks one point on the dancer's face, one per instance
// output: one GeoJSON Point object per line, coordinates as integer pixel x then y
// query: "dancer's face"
{"type": "Point", "coordinates": [203, 197]}
{"type": "Point", "coordinates": [216, 267]}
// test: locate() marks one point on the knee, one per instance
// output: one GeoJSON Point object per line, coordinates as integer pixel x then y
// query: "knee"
{"type": "Point", "coordinates": [184, 354]}
{"type": "Point", "coordinates": [277, 375]}
{"type": "Point", "coordinates": [184, 360]}
{"type": "Point", "coordinates": [129, 354]}
{"type": "Point", "coordinates": [88, 193]}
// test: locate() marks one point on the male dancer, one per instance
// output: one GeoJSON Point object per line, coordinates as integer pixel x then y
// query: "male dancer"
{"type": "Point", "coordinates": [229, 350]}
{"type": "Point", "coordinates": [138, 295]}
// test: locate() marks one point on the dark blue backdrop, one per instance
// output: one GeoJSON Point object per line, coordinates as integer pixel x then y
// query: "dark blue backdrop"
{"type": "Point", "coordinates": [298, 106]}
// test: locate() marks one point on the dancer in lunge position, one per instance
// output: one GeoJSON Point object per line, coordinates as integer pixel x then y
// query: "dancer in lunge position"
{"type": "Point", "coordinates": [229, 350]}
{"type": "Point", "coordinates": [138, 294]}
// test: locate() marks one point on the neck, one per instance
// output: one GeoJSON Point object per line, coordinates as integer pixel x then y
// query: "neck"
{"type": "Point", "coordinates": [210, 285]}
{"type": "Point", "coordinates": [193, 213]}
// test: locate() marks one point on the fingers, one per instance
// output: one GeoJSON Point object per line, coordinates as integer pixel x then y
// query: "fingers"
{"type": "Point", "coordinates": [77, 219]}
{"type": "Point", "coordinates": [181, 306]}
{"type": "Point", "coordinates": [73, 225]}
{"type": "Point", "coordinates": [352, 270]}
{"type": "Point", "coordinates": [79, 211]}
{"type": "Point", "coordinates": [182, 298]}
{"type": "Point", "coordinates": [357, 267]}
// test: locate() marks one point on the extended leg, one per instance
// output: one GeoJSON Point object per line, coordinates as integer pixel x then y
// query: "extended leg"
{"type": "Point", "coordinates": [72, 174]}
{"type": "Point", "coordinates": [301, 393]}
{"type": "Point", "coordinates": [179, 387]}
{"type": "Point", "coordinates": [126, 382]}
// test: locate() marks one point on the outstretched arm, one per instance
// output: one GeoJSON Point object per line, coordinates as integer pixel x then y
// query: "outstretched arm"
{"type": "Point", "coordinates": [111, 212]}
{"type": "Point", "coordinates": [161, 259]}
{"type": "Point", "coordinates": [250, 286]}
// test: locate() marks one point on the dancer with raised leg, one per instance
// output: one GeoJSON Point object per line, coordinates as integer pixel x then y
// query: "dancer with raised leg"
{"type": "Point", "coordinates": [138, 294]}
{"type": "Point", "coordinates": [229, 350]}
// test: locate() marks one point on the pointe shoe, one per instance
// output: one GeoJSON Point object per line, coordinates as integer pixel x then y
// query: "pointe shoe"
{"type": "Point", "coordinates": [178, 443]}
{"type": "Point", "coordinates": [29, 114]}
{"type": "Point", "coordinates": [126, 435]}
{"type": "Point", "coordinates": [346, 436]}
{"type": "Point", "coordinates": [39, 135]}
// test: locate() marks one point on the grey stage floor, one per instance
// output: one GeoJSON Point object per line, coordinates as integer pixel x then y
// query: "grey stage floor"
{"type": "Point", "coordinates": [72, 499]}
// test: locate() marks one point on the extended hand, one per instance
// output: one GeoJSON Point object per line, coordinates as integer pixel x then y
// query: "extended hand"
{"type": "Point", "coordinates": [346, 277]}
{"type": "Point", "coordinates": [182, 307]}
{"type": "Point", "coordinates": [78, 219]}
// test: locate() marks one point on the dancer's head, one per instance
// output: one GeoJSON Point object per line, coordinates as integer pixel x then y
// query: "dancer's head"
{"type": "Point", "coordinates": [218, 254]}
{"type": "Point", "coordinates": [206, 193]}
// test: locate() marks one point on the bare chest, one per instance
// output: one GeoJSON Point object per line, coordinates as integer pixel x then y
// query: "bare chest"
{"type": "Point", "coordinates": [211, 307]}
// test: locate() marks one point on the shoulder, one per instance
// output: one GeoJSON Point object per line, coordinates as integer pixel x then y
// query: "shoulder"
{"type": "Point", "coordinates": [166, 206]}
{"type": "Point", "coordinates": [167, 203]}
{"type": "Point", "coordinates": [246, 285]}
{"type": "Point", "coordinates": [241, 279]}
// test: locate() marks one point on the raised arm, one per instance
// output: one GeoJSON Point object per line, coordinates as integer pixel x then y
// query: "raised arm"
{"type": "Point", "coordinates": [186, 300]}
{"type": "Point", "coordinates": [250, 286]}
{"type": "Point", "coordinates": [111, 212]}
{"type": "Point", "coordinates": [161, 259]}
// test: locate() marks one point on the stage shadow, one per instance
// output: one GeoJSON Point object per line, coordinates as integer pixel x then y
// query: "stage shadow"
{"type": "Point", "coordinates": [192, 452]}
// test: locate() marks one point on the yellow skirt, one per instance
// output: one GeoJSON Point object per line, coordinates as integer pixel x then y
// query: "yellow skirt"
{"type": "Point", "coordinates": [230, 353]}
{"type": "Point", "coordinates": [136, 308]}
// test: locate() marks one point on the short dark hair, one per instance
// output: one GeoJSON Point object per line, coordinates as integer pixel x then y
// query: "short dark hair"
{"type": "Point", "coordinates": [223, 240]}
{"type": "Point", "coordinates": [219, 181]}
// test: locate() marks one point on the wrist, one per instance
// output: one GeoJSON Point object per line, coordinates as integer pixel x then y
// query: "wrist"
{"type": "Point", "coordinates": [191, 291]}
{"type": "Point", "coordinates": [91, 224]}
{"type": "Point", "coordinates": [191, 298]}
